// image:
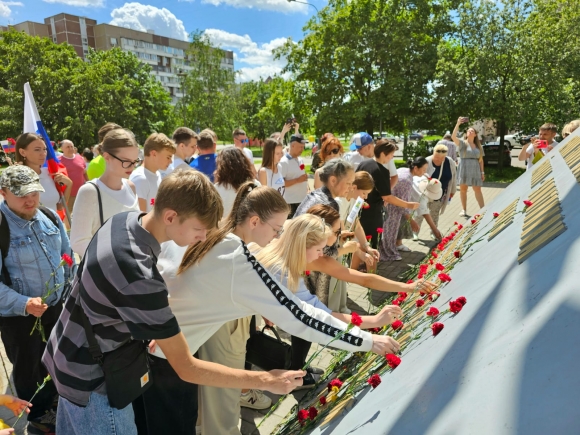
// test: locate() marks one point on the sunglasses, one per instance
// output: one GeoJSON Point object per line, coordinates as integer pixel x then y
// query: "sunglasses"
{"type": "Point", "coordinates": [441, 151]}
{"type": "Point", "coordinates": [335, 151]}
{"type": "Point", "coordinates": [126, 164]}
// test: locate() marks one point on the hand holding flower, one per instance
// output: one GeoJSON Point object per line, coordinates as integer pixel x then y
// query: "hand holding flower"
{"type": "Point", "coordinates": [36, 307]}
{"type": "Point", "coordinates": [14, 404]}
{"type": "Point", "coordinates": [387, 315]}
{"type": "Point", "coordinates": [383, 344]}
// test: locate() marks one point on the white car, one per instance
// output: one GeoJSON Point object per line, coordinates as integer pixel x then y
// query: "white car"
{"type": "Point", "coordinates": [511, 140]}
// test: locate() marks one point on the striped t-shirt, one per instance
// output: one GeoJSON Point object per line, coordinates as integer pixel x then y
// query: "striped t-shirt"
{"type": "Point", "coordinates": [123, 296]}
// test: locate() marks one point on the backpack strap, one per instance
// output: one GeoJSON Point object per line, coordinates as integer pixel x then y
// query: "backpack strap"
{"type": "Point", "coordinates": [100, 202]}
{"type": "Point", "coordinates": [4, 246]}
{"type": "Point", "coordinates": [49, 214]}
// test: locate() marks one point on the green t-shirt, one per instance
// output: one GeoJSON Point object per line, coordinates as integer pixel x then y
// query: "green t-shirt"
{"type": "Point", "coordinates": [96, 167]}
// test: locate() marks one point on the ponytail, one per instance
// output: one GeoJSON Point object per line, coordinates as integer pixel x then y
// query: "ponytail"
{"type": "Point", "coordinates": [250, 201]}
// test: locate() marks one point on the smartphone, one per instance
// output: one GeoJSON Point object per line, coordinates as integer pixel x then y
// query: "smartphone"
{"type": "Point", "coordinates": [465, 119]}
{"type": "Point", "coordinates": [542, 144]}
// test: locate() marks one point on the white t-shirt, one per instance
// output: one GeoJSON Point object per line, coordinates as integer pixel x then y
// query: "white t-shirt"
{"type": "Point", "coordinates": [355, 158]}
{"type": "Point", "coordinates": [249, 154]}
{"type": "Point", "coordinates": [229, 284]}
{"type": "Point", "coordinates": [146, 184]}
{"type": "Point", "coordinates": [228, 195]}
{"type": "Point", "coordinates": [276, 180]}
{"type": "Point", "coordinates": [530, 154]}
{"type": "Point", "coordinates": [390, 165]}
{"type": "Point", "coordinates": [50, 197]}
{"type": "Point", "coordinates": [289, 167]}
{"type": "Point", "coordinates": [178, 163]}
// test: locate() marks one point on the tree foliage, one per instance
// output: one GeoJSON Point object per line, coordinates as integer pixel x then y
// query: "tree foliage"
{"type": "Point", "coordinates": [76, 98]}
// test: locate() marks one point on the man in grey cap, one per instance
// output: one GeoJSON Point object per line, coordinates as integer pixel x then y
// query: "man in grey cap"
{"type": "Point", "coordinates": [32, 242]}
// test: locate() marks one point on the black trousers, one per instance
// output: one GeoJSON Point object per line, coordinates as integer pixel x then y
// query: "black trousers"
{"type": "Point", "coordinates": [300, 350]}
{"type": "Point", "coordinates": [293, 208]}
{"type": "Point", "coordinates": [25, 352]}
{"type": "Point", "coordinates": [169, 406]}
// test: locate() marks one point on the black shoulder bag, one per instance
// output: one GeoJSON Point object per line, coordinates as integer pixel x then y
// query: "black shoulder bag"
{"type": "Point", "coordinates": [127, 373]}
{"type": "Point", "coordinates": [267, 352]}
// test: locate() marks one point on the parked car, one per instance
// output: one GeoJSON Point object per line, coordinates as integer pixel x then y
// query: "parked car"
{"type": "Point", "coordinates": [415, 136]}
{"type": "Point", "coordinates": [491, 158]}
{"type": "Point", "coordinates": [511, 140]}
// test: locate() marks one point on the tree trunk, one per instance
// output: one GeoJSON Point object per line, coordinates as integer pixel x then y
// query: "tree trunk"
{"type": "Point", "coordinates": [501, 145]}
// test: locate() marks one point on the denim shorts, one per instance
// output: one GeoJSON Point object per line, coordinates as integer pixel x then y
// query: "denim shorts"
{"type": "Point", "coordinates": [98, 415]}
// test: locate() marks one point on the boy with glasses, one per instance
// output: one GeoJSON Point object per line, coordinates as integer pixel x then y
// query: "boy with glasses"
{"type": "Point", "coordinates": [241, 142]}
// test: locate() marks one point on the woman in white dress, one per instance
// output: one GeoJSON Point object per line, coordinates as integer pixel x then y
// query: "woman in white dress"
{"type": "Point", "coordinates": [270, 174]}
{"type": "Point", "coordinates": [108, 195]}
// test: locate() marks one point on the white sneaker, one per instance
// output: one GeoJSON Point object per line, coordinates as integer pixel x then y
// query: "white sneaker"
{"type": "Point", "coordinates": [463, 213]}
{"type": "Point", "coordinates": [197, 430]}
{"type": "Point", "coordinates": [255, 399]}
{"type": "Point", "coordinates": [415, 236]}
{"type": "Point", "coordinates": [403, 248]}
{"type": "Point", "coordinates": [345, 310]}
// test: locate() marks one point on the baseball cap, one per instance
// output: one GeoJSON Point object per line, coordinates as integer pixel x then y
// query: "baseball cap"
{"type": "Point", "coordinates": [20, 180]}
{"type": "Point", "coordinates": [297, 138]}
{"type": "Point", "coordinates": [359, 140]}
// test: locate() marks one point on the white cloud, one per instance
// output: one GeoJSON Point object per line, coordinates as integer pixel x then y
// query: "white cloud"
{"type": "Point", "coordinates": [5, 10]}
{"type": "Point", "coordinates": [80, 3]}
{"type": "Point", "coordinates": [258, 57]}
{"type": "Point", "coordinates": [272, 5]}
{"type": "Point", "coordinates": [144, 17]}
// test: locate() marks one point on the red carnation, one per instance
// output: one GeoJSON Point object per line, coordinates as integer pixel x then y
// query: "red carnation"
{"type": "Point", "coordinates": [431, 261]}
{"type": "Point", "coordinates": [374, 381]}
{"type": "Point", "coordinates": [439, 267]}
{"type": "Point", "coordinates": [312, 412]}
{"type": "Point", "coordinates": [451, 236]}
{"type": "Point", "coordinates": [444, 277]}
{"type": "Point", "coordinates": [410, 281]}
{"type": "Point", "coordinates": [433, 296]}
{"type": "Point", "coordinates": [11, 141]}
{"type": "Point", "coordinates": [307, 272]}
{"type": "Point", "coordinates": [366, 205]}
{"type": "Point", "coordinates": [397, 324]}
{"type": "Point", "coordinates": [380, 230]}
{"type": "Point", "coordinates": [437, 328]}
{"type": "Point", "coordinates": [301, 166]}
{"type": "Point", "coordinates": [419, 303]}
{"type": "Point", "coordinates": [67, 259]}
{"type": "Point", "coordinates": [434, 254]}
{"type": "Point", "coordinates": [460, 227]}
{"type": "Point", "coordinates": [302, 416]}
{"type": "Point", "coordinates": [322, 400]}
{"type": "Point", "coordinates": [420, 275]}
{"type": "Point", "coordinates": [369, 238]}
{"type": "Point", "coordinates": [462, 300]}
{"type": "Point", "coordinates": [402, 295]}
{"type": "Point", "coordinates": [152, 202]}
{"type": "Point", "coordinates": [397, 302]}
{"type": "Point", "coordinates": [374, 330]}
{"type": "Point", "coordinates": [433, 312]}
{"type": "Point", "coordinates": [455, 223]}
{"type": "Point", "coordinates": [473, 221]}
{"type": "Point", "coordinates": [392, 360]}
{"type": "Point", "coordinates": [422, 293]}
{"type": "Point", "coordinates": [423, 268]}
{"type": "Point", "coordinates": [528, 203]}
{"type": "Point", "coordinates": [495, 214]}
{"type": "Point", "coordinates": [334, 383]}
{"type": "Point", "coordinates": [441, 246]}
{"type": "Point", "coordinates": [457, 254]}
{"type": "Point", "coordinates": [355, 319]}
{"type": "Point", "coordinates": [455, 307]}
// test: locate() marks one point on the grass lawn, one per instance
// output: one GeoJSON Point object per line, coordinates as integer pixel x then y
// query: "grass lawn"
{"type": "Point", "coordinates": [435, 137]}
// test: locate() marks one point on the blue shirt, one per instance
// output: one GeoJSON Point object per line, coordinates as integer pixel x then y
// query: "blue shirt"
{"type": "Point", "coordinates": [205, 164]}
{"type": "Point", "coordinates": [36, 248]}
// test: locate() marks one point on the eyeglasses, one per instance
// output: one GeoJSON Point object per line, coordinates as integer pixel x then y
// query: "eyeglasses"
{"type": "Point", "coordinates": [335, 151]}
{"type": "Point", "coordinates": [127, 163]}
{"type": "Point", "coordinates": [441, 151]}
{"type": "Point", "coordinates": [278, 232]}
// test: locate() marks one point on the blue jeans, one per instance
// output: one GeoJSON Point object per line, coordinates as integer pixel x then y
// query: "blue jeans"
{"type": "Point", "coordinates": [98, 415]}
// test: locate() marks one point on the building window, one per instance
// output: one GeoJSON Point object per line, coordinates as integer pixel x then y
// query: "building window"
{"type": "Point", "coordinates": [113, 41]}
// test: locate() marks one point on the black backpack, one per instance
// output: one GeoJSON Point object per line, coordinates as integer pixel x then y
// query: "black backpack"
{"type": "Point", "coordinates": [5, 241]}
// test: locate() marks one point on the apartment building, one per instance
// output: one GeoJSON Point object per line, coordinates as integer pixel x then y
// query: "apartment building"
{"type": "Point", "coordinates": [166, 56]}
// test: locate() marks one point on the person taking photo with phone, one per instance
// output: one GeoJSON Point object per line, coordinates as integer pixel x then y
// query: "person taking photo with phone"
{"type": "Point", "coordinates": [539, 146]}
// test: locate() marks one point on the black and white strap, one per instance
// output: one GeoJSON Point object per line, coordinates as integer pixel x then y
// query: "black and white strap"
{"type": "Point", "coordinates": [295, 309]}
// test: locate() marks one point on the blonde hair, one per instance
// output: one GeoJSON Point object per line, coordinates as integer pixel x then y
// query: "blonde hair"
{"type": "Point", "coordinates": [190, 194]}
{"type": "Point", "coordinates": [569, 128]}
{"type": "Point", "coordinates": [440, 146]}
{"type": "Point", "coordinates": [158, 142]}
{"type": "Point", "coordinates": [288, 253]}
{"type": "Point", "coordinates": [250, 201]}
{"type": "Point", "coordinates": [363, 181]}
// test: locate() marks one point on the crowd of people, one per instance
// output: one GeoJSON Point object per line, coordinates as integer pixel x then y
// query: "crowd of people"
{"type": "Point", "coordinates": [182, 250]}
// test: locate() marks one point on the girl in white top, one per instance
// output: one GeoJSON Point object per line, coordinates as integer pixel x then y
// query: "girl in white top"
{"type": "Point", "coordinates": [31, 151]}
{"type": "Point", "coordinates": [121, 152]}
{"type": "Point", "coordinates": [232, 170]}
{"type": "Point", "coordinates": [219, 280]}
{"type": "Point", "coordinates": [270, 174]}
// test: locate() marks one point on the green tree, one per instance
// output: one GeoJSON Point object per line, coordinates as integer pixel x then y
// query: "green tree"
{"type": "Point", "coordinates": [209, 91]}
{"type": "Point", "coordinates": [369, 61]}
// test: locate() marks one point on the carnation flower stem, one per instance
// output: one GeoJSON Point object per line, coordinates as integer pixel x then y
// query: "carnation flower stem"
{"type": "Point", "coordinates": [40, 387]}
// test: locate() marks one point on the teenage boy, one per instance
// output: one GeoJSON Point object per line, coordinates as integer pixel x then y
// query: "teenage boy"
{"type": "Point", "coordinates": [295, 177]}
{"type": "Point", "coordinates": [185, 140]}
{"type": "Point", "coordinates": [159, 150]}
{"type": "Point", "coordinates": [123, 295]}
{"type": "Point", "coordinates": [205, 161]}
{"type": "Point", "coordinates": [241, 142]}
{"type": "Point", "coordinates": [532, 153]}
{"type": "Point", "coordinates": [362, 148]}
{"type": "Point", "coordinates": [35, 240]}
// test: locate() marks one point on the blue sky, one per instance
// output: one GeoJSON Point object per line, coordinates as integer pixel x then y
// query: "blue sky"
{"type": "Point", "coordinates": [251, 28]}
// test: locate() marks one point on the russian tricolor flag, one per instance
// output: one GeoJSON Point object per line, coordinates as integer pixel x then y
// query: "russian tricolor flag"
{"type": "Point", "coordinates": [33, 124]}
